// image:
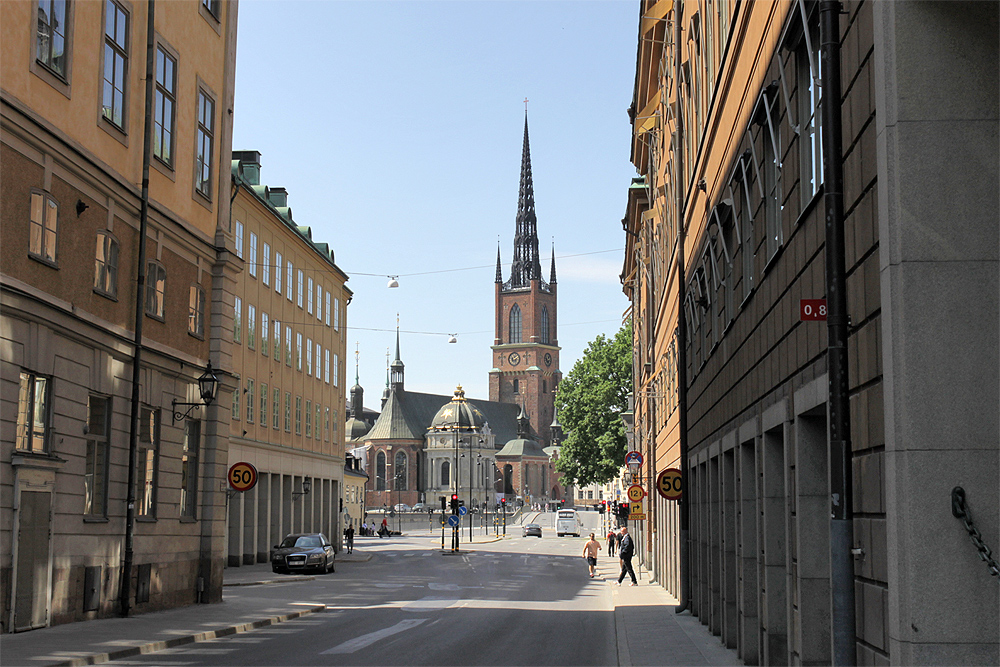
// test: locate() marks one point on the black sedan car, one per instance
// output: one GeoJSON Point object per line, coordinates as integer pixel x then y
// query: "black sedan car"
{"type": "Point", "coordinates": [303, 551]}
{"type": "Point", "coordinates": [532, 529]}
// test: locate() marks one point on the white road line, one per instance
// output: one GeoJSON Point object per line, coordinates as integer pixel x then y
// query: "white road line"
{"type": "Point", "coordinates": [364, 641]}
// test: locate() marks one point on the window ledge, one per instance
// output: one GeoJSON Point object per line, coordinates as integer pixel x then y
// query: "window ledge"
{"type": "Point", "coordinates": [146, 519]}
{"type": "Point", "coordinates": [106, 295]}
{"type": "Point", "coordinates": [152, 316]}
{"type": "Point", "coordinates": [95, 519]}
{"type": "Point", "coordinates": [40, 460]}
{"type": "Point", "coordinates": [774, 259]}
{"type": "Point", "coordinates": [196, 335]}
{"type": "Point", "coordinates": [42, 260]}
{"type": "Point", "coordinates": [188, 519]}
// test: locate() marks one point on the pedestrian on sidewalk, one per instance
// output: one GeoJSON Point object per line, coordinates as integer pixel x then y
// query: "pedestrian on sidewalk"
{"type": "Point", "coordinates": [350, 538]}
{"type": "Point", "coordinates": [612, 541]}
{"type": "Point", "coordinates": [626, 549]}
{"type": "Point", "coordinates": [590, 551]}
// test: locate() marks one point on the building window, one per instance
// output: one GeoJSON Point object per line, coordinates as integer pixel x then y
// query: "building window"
{"type": "Point", "coordinates": [545, 387]}
{"type": "Point", "coordinates": [446, 473]}
{"type": "Point", "coordinates": [288, 346]}
{"type": "Point", "coordinates": [309, 297]}
{"type": "Point", "coordinates": [265, 328]}
{"type": "Point", "coordinates": [253, 255]}
{"type": "Point", "coordinates": [204, 137]}
{"type": "Point", "coordinates": [744, 214]}
{"type": "Point", "coordinates": [298, 299]}
{"type": "Point", "coordinates": [337, 319]}
{"type": "Point", "coordinates": [52, 35]}
{"type": "Point", "coordinates": [319, 359]}
{"type": "Point", "coordinates": [115, 64]}
{"type": "Point", "coordinates": [399, 472]}
{"type": "Point", "coordinates": [189, 468]}
{"type": "Point", "coordinates": [265, 265]}
{"type": "Point", "coordinates": [250, 395]}
{"type": "Point", "coordinates": [238, 234]}
{"type": "Point", "coordinates": [545, 326]}
{"type": "Point", "coordinates": [106, 265]}
{"type": "Point", "coordinates": [236, 401]}
{"type": "Point", "coordinates": [380, 471]}
{"type": "Point", "coordinates": [516, 386]}
{"type": "Point", "coordinates": [309, 356]}
{"type": "Point", "coordinates": [298, 351]}
{"type": "Point", "coordinates": [277, 271]}
{"type": "Point", "coordinates": [237, 320]}
{"type": "Point", "coordinates": [165, 99]}
{"type": "Point", "coordinates": [212, 6]}
{"type": "Point", "coordinates": [319, 414]}
{"type": "Point", "coordinates": [298, 415]}
{"type": "Point", "coordinates": [326, 424]}
{"type": "Point", "coordinates": [251, 327]}
{"type": "Point", "coordinates": [288, 412]}
{"type": "Point", "coordinates": [288, 281]}
{"type": "Point", "coordinates": [277, 341]}
{"type": "Point", "coordinates": [156, 285]}
{"type": "Point", "coordinates": [514, 328]}
{"type": "Point", "coordinates": [95, 479]}
{"type": "Point", "coordinates": [44, 226]}
{"type": "Point", "coordinates": [263, 404]}
{"type": "Point", "coordinates": [196, 311]}
{"type": "Point", "coordinates": [309, 420]}
{"type": "Point", "coordinates": [276, 410]}
{"type": "Point", "coordinates": [326, 365]}
{"type": "Point", "coordinates": [146, 462]}
{"type": "Point", "coordinates": [336, 370]}
{"type": "Point", "coordinates": [809, 65]}
{"type": "Point", "coordinates": [319, 302]}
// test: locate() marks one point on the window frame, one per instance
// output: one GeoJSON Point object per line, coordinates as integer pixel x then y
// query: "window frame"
{"type": "Point", "coordinates": [95, 493]}
{"type": "Point", "coordinates": [237, 320]}
{"type": "Point", "coordinates": [276, 408]}
{"type": "Point", "coordinates": [264, 399]}
{"type": "Point", "coordinates": [164, 130]}
{"type": "Point", "coordinates": [106, 268]}
{"type": "Point", "coordinates": [152, 291]}
{"type": "Point", "coordinates": [196, 311]}
{"type": "Point", "coordinates": [309, 296]}
{"type": "Point", "coordinates": [277, 271]}
{"type": "Point", "coordinates": [118, 51]}
{"type": "Point", "coordinates": [46, 231]}
{"type": "Point", "coordinates": [144, 512]}
{"type": "Point", "coordinates": [27, 428]}
{"type": "Point", "coordinates": [238, 238]}
{"type": "Point", "coordinates": [188, 504]}
{"type": "Point", "coordinates": [265, 264]}
{"type": "Point", "coordinates": [298, 415]}
{"type": "Point", "coordinates": [251, 327]}
{"type": "Point", "coordinates": [265, 332]}
{"type": "Point", "coordinates": [252, 263]}
{"type": "Point", "coordinates": [60, 80]}
{"type": "Point", "coordinates": [250, 388]}
{"type": "Point", "coordinates": [203, 135]}
{"type": "Point", "coordinates": [514, 325]}
{"type": "Point", "coordinates": [288, 412]}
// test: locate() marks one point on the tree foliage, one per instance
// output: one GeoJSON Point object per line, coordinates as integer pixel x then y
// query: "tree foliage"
{"type": "Point", "coordinates": [591, 399]}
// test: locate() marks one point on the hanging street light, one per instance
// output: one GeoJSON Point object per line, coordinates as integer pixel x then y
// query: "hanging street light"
{"type": "Point", "coordinates": [208, 385]}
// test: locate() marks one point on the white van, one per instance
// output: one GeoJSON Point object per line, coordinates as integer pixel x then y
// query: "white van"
{"type": "Point", "coordinates": [568, 523]}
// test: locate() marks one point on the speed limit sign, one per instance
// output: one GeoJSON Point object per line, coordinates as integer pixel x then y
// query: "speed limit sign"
{"type": "Point", "coordinates": [242, 476]}
{"type": "Point", "coordinates": [668, 483]}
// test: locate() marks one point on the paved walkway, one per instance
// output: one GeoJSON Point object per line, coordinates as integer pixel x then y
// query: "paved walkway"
{"type": "Point", "coordinates": [648, 631]}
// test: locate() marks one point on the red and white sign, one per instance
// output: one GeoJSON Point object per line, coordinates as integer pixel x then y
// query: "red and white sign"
{"type": "Point", "coordinates": [812, 310]}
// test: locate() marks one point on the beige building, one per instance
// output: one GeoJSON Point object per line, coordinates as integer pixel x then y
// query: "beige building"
{"type": "Point", "coordinates": [72, 99]}
{"type": "Point", "coordinates": [288, 350]}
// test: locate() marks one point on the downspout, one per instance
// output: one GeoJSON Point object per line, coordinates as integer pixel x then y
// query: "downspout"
{"type": "Point", "coordinates": [844, 640]}
{"type": "Point", "coordinates": [683, 504]}
{"type": "Point", "coordinates": [147, 142]}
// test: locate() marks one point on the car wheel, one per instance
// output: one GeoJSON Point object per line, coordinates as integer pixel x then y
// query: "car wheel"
{"type": "Point", "coordinates": [275, 570]}
{"type": "Point", "coordinates": [332, 565]}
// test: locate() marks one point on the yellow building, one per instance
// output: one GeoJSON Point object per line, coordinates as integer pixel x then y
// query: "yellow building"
{"type": "Point", "coordinates": [72, 100]}
{"type": "Point", "coordinates": [289, 344]}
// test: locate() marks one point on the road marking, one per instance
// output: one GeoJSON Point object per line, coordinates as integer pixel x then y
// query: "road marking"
{"type": "Point", "coordinates": [429, 604]}
{"type": "Point", "coordinates": [364, 641]}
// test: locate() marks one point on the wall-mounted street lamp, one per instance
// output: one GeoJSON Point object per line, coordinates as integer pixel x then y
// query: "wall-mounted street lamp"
{"type": "Point", "coordinates": [208, 385]}
{"type": "Point", "coordinates": [307, 485]}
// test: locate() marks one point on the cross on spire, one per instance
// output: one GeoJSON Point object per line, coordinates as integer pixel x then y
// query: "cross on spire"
{"type": "Point", "coordinates": [525, 105]}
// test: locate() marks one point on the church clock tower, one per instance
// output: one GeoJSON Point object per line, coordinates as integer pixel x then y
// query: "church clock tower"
{"type": "Point", "coordinates": [525, 346]}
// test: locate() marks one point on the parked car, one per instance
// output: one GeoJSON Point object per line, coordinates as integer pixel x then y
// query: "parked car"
{"type": "Point", "coordinates": [401, 507]}
{"type": "Point", "coordinates": [299, 552]}
{"type": "Point", "coordinates": [421, 507]}
{"type": "Point", "coordinates": [532, 529]}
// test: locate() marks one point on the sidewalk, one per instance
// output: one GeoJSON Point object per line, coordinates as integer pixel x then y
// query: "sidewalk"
{"type": "Point", "coordinates": [648, 630]}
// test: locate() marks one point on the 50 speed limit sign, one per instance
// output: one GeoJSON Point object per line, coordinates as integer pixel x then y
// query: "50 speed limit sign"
{"type": "Point", "coordinates": [242, 476]}
{"type": "Point", "coordinates": [668, 483]}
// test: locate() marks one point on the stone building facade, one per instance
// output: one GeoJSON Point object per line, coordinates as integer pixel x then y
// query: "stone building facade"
{"type": "Point", "coordinates": [726, 238]}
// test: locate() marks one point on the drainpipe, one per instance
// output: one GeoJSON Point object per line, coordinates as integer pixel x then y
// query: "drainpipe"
{"type": "Point", "coordinates": [683, 505]}
{"type": "Point", "coordinates": [147, 142]}
{"type": "Point", "coordinates": [841, 530]}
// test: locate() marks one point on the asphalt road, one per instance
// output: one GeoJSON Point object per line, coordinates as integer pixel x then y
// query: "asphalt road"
{"type": "Point", "coordinates": [523, 601]}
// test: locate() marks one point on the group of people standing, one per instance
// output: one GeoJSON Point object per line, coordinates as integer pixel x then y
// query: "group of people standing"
{"type": "Point", "coordinates": [618, 540]}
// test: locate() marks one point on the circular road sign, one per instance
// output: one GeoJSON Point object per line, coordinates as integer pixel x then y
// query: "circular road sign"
{"type": "Point", "coordinates": [463, 510]}
{"type": "Point", "coordinates": [636, 493]}
{"type": "Point", "coordinates": [634, 457]}
{"type": "Point", "coordinates": [668, 483]}
{"type": "Point", "coordinates": [453, 521]}
{"type": "Point", "coordinates": [242, 476]}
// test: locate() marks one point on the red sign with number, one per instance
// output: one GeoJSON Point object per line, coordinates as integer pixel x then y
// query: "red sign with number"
{"type": "Point", "coordinates": [812, 309]}
{"type": "Point", "coordinates": [242, 476]}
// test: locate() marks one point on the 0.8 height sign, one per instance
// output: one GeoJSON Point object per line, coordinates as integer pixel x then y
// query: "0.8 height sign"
{"type": "Point", "coordinates": [812, 309]}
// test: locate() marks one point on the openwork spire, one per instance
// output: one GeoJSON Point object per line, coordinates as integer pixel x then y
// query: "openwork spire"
{"type": "Point", "coordinates": [525, 266]}
{"type": "Point", "coordinates": [552, 273]}
{"type": "Point", "coordinates": [499, 272]}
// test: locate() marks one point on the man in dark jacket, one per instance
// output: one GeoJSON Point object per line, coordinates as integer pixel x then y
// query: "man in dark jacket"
{"type": "Point", "coordinates": [626, 549]}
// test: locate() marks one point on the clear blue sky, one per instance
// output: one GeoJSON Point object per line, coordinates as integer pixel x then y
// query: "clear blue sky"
{"type": "Point", "coordinates": [397, 127]}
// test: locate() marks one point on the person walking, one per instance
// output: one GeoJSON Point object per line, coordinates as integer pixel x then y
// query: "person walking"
{"type": "Point", "coordinates": [350, 538]}
{"type": "Point", "coordinates": [612, 541]}
{"type": "Point", "coordinates": [626, 549]}
{"type": "Point", "coordinates": [590, 551]}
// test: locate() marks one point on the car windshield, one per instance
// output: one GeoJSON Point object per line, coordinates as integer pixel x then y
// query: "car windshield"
{"type": "Point", "coordinates": [302, 541]}
{"type": "Point", "coordinates": [533, 525]}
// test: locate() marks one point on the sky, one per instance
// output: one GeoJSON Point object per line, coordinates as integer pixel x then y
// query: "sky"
{"type": "Point", "coordinates": [397, 129]}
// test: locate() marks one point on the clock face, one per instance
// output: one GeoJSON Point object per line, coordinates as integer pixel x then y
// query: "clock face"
{"type": "Point", "coordinates": [548, 359]}
{"type": "Point", "coordinates": [514, 358]}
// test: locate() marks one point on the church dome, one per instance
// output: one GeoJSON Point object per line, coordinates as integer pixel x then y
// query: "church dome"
{"type": "Point", "coordinates": [356, 428]}
{"type": "Point", "coordinates": [458, 415]}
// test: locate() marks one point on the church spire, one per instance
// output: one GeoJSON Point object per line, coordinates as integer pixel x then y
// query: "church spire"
{"type": "Point", "coordinates": [552, 273]}
{"type": "Point", "coordinates": [525, 266]}
{"type": "Point", "coordinates": [396, 368]}
{"type": "Point", "coordinates": [499, 272]}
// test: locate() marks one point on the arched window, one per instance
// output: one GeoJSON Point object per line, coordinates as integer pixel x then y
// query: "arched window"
{"type": "Point", "coordinates": [514, 330]}
{"type": "Point", "coordinates": [380, 471]}
{"type": "Point", "coordinates": [446, 473]}
{"type": "Point", "coordinates": [508, 479]}
{"type": "Point", "coordinates": [399, 471]}
{"type": "Point", "coordinates": [545, 326]}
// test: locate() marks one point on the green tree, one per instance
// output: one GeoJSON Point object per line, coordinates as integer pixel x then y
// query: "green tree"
{"type": "Point", "coordinates": [591, 399]}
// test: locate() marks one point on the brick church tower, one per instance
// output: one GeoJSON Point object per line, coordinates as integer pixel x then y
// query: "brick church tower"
{"type": "Point", "coordinates": [525, 347]}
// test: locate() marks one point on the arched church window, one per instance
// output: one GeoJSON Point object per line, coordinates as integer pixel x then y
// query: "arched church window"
{"type": "Point", "coordinates": [446, 473]}
{"type": "Point", "coordinates": [399, 471]}
{"type": "Point", "coordinates": [516, 385]}
{"type": "Point", "coordinates": [515, 324]}
{"type": "Point", "coordinates": [545, 325]}
{"type": "Point", "coordinates": [380, 471]}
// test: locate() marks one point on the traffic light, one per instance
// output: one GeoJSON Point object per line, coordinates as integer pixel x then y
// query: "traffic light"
{"type": "Point", "coordinates": [444, 503]}
{"type": "Point", "coordinates": [454, 503]}
{"type": "Point", "coordinates": [503, 504]}
{"type": "Point", "coordinates": [600, 507]}
{"type": "Point", "coordinates": [623, 510]}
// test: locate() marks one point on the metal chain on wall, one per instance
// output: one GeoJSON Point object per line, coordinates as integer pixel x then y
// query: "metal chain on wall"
{"type": "Point", "coordinates": [961, 511]}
